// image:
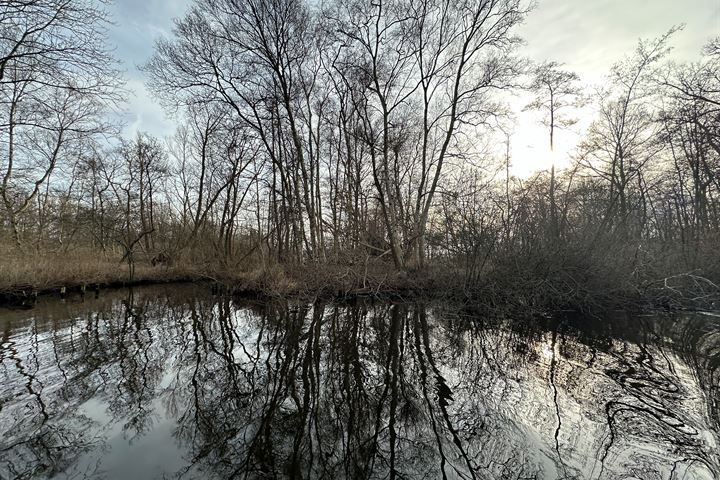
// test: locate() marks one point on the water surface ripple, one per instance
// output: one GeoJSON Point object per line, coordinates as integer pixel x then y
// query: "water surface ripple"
{"type": "Point", "coordinates": [172, 382]}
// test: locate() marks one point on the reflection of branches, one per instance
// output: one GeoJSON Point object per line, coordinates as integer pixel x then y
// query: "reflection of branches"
{"type": "Point", "coordinates": [423, 383]}
{"type": "Point", "coordinates": [553, 371]}
{"type": "Point", "coordinates": [651, 394]}
{"type": "Point", "coordinates": [444, 393]}
{"type": "Point", "coordinates": [356, 391]}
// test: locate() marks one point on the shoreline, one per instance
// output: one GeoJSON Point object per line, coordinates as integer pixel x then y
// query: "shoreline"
{"type": "Point", "coordinates": [338, 283]}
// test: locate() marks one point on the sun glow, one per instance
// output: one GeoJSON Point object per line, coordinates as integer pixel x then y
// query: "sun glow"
{"type": "Point", "coordinates": [530, 152]}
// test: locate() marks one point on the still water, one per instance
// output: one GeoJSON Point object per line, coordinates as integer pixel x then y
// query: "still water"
{"type": "Point", "coordinates": [172, 382]}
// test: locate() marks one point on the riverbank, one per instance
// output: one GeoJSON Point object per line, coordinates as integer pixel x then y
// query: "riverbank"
{"type": "Point", "coordinates": [519, 287]}
{"type": "Point", "coordinates": [500, 290]}
{"type": "Point", "coordinates": [22, 279]}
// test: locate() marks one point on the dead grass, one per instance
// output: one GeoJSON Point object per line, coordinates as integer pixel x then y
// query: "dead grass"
{"type": "Point", "coordinates": [340, 281]}
{"type": "Point", "coordinates": [44, 273]}
{"type": "Point", "coordinates": [575, 283]}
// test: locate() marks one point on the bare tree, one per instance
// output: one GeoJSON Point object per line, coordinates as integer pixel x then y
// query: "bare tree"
{"type": "Point", "coordinates": [250, 57]}
{"type": "Point", "coordinates": [465, 57]}
{"type": "Point", "coordinates": [690, 118]}
{"type": "Point", "coordinates": [56, 79]}
{"type": "Point", "coordinates": [423, 71]}
{"type": "Point", "coordinates": [624, 139]}
{"type": "Point", "coordinates": [555, 91]}
{"type": "Point", "coordinates": [132, 174]}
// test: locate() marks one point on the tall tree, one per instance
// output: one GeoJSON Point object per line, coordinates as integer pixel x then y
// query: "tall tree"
{"type": "Point", "coordinates": [249, 56]}
{"type": "Point", "coordinates": [56, 79]}
{"type": "Point", "coordinates": [465, 56]}
{"type": "Point", "coordinates": [624, 139]}
{"type": "Point", "coordinates": [427, 71]}
{"type": "Point", "coordinates": [555, 90]}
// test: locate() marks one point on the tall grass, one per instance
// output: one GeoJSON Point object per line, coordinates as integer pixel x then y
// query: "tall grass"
{"type": "Point", "coordinates": [49, 271]}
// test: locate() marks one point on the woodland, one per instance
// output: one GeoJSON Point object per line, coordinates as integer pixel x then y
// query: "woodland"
{"type": "Point", "coordinates": [350, 147]}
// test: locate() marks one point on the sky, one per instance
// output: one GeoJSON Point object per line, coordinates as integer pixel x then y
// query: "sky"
{"type": "Point", "coordinates": [137, 24]}
{"type": "Point", "coordinates": [588, 36]}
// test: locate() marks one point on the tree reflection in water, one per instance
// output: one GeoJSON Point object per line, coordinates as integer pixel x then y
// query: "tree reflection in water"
{"type": "Point", "coordinates": [174, 382]}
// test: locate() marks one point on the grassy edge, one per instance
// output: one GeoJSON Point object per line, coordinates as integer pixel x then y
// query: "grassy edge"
{"type": "Point", "coordinates": [509, 292]}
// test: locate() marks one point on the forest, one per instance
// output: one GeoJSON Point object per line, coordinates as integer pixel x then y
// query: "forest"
{"type": "Point", "coordinates": [349, 147]}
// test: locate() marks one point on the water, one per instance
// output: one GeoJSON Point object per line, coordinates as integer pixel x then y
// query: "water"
{"type": "Point", "coordinates": [169, 382]}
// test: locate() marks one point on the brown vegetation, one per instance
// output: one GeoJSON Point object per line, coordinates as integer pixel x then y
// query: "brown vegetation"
{"type": "Point", "coordinates": [352, 148]}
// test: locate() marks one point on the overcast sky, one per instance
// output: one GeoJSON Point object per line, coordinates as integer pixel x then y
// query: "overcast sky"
{"type": "Point", "coordinates": [587, 35]}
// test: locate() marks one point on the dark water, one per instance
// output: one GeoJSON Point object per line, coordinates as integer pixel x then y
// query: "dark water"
{"type": "Point", "coordinates": [173, 382]}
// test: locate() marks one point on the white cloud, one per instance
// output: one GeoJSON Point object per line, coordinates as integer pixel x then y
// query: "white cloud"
{"type": "Point", "coordinates": [144, 114]}
{"type": "Point", "coordinates": [589, 37]}
{"type": "Point", "coordinates": [138, 24]}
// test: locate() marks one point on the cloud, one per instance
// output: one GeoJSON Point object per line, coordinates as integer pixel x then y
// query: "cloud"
{"type": "Point", "coordinates": [143, 113]}
{"type": "Point", "coordinates": [590, 36]}
{"type": "Point", "coordinates": [138, 23]}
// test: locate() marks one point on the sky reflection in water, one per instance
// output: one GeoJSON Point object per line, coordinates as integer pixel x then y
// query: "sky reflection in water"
{"type": "Point", "coordinates": [173, 382]}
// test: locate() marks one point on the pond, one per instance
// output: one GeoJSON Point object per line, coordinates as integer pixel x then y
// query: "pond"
{"type": "Point", "coordinates": [174, 382]}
